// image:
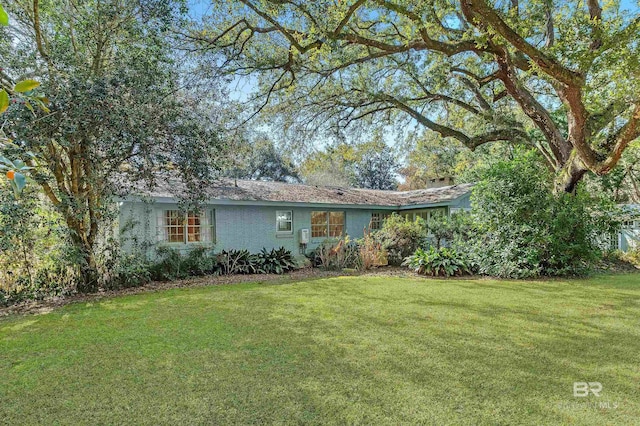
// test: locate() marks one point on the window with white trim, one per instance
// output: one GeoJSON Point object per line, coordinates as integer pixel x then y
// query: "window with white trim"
{"type": "Point", "coordinates": [175, 226]}
{"type": "Point", "coordinates": [284, 222]}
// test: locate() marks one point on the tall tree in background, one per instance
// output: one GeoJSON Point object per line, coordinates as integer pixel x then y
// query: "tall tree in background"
{"type": "Point", "coordinates": [562, 78]}
{"type": "Point", "coordinates": [429, 158]}
{"type": "Point", "coordinates": [332, 166]}
{"type": "Point", "coordinates": [376, 169]}
{"type": "Point", "coordinates": [116, 106]}
{"type": "Point", "coordinates": [369, 165]}
{"type": "Point", "coordinates": [263, 160]}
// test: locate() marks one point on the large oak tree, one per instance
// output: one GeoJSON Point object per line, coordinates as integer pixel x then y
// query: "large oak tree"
{"type": "Point", "coordinates": [560, 76]}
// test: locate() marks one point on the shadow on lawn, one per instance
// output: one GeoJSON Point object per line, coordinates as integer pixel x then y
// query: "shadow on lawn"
{"type": "Point", "coordinates": [516, 357]}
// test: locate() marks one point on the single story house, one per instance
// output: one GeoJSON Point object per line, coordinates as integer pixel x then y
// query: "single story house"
{"type": "Point", "coordinates": [242, 214]}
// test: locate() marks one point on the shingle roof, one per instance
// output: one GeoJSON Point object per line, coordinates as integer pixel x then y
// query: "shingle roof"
{"type": "Point", "coordinates": [251, 190]}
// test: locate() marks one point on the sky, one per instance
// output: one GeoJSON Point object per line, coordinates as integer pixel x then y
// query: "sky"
{"type": "Point", "coordinates": [241, 87]}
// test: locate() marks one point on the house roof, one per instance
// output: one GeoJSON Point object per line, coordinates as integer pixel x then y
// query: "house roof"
{"type": "Point", "coordinates": [263, 191]}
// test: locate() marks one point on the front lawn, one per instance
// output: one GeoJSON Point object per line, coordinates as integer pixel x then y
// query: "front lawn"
{"type": "Point", "coordinates": [356, 350]}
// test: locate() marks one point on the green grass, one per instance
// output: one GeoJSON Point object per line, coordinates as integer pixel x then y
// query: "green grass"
{"type": "Point", "coordinates": [349, 350]}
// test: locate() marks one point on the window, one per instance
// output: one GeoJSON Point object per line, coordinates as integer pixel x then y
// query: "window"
{"type": "Point", "coordinates": [425, 214]}
{"type": "Point", "coordinates": [319, 222]}
{"type": "Point", "coordinates": [284, 222]}
{"type": "Point", "coordinates": [194, 228]}
{"type": "Point", "coordinates": [175, 226]}
{"type": "Point", "coordinates": [336, 224]}
{"type": "Point", "coordinates": [327, 224]}
{"type": "Point", "coordinates": [377, 220]}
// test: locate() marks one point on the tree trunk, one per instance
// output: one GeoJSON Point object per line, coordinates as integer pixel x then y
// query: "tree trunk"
{"type": "Point", "coordinates": [88, 281]}
{"type": "Point", "coordinates": [87, 265]}
{"type": "Point", "coordinates": [569, 176]}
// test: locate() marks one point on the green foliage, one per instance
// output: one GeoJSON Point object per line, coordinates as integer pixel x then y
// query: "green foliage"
{"type": "Point", "coordinates": [4, 18]}
{"type": "Point", "coordinates": [131, 271]}
{"type": "Point", "coordinates": [400, 237]}
{"type": "Point", "coordinates": [26, 86]}
{"type": "Point", "coordinates": [200, 261]}
{"type": "Point", "coordinates": [276, 261]}
{"type": "Point", "coordinates": [437, 262]}
{"type": "Point", "coordinates": [119, 112]}
{"type": "Point", "coordinates": [4, 100]}
{"type": "Point", "coordinates": [363, 165]}
{"type": "Point", "coordinates": [376, 170]}
{"type": "Point", "coordinates": [171, 265]}
{"type": "Point", "coordinates": [18, 169]}
{"type": "Point", "coordinates": [558, 78]}
{"type": "Point", "coordinates": [262, 159]}
{"type": "Point", "coordinates": [521, 228]}
{"type": "Point", "coordinates": [34, 258]}
{"type": "Point", "coordinates": [48, 282]}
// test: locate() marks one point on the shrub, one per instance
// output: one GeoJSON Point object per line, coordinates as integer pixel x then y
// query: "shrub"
{"type": "Point", "coordinates": [521, 228]}
{"type": "Point", "coordinates": [450, 230]}
{"type": "Point", "coordinates": [168, 265]}
{"type": "Point", "coordinates": [437, 262]}
{"type": "Point", "coordinates": [276, 261]}
{"type": "Point", "coordinates": [200, 261]}
{"type": "Point", "coordinates": [238, 262]}
{"type": "Point", "coordinates": [371, 251]}
{"type": "Point", "coordinates": [130, 271]}
{"type": "Point", "coordinates": [400, 237]}
{"type": "Point", "coordinates": [46, 282]}
{"type": "Point", "coordinates": [337, 254]}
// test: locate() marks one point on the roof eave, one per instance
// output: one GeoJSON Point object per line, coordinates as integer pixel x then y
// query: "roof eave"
{"type": "Point", "coordinates": [230, 202]}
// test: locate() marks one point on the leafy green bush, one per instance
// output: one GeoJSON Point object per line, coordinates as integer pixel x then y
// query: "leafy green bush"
{"type": "Point", "coordinates": [520, 227]}
{"type": "Point", "coordinates": [275, 261]}
{"type": "Point", "coordinates": [400, 237]}
{"type": "Point", "coordinates": [201, 261]}
{"type": "Point", "coordinates": [172, 265]}
{"type": "Point", "coordinates": [130, 271]}
{"type": "Point", "coordinates": [168, 266]}
{"type": "Point", "coordinates": [437, 262]}
{"type": "Point", "coordinates": [238, 262]}
{"type": "Point", "coordinates": [45, 282]}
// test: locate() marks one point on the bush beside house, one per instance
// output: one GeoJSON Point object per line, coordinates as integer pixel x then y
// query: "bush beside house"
{"type": "Point", "coordinates": [520, 228]}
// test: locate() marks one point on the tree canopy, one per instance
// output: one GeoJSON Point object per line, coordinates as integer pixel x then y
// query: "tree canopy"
{"type": "Point", "coordinates": [559, 76]}
{"type": "Point", "coordinates": [116, 105]}
{"type": "Point", "coordinates": [262, 159]}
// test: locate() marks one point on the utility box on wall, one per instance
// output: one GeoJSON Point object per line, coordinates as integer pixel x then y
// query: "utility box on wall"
{"type": "Point", "coordinates": [304, 236]}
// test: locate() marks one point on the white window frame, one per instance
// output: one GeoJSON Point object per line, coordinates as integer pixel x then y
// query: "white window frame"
{"type": "Point", "coordinates": [206, 223]}
{"type": "Point", "coordinates": [278, 213]}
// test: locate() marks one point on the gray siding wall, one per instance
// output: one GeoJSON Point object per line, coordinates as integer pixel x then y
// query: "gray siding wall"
{"type": "Point", "coordinates": [462, 203]}
{"type": "Point", "coordinates": [236, 227]}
